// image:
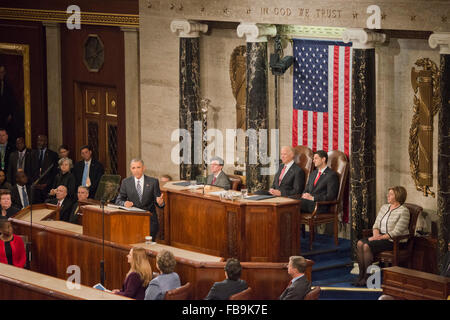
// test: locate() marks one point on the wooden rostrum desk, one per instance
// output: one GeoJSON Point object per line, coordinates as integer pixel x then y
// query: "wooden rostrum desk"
{"type": "Point", "coordinates": [259, 231]}
{"type": "Point", "coordinates": [58, 245]}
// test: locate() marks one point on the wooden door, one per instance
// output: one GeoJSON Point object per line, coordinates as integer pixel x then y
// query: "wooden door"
{"type": "Point", "coordinates": [98, 123]}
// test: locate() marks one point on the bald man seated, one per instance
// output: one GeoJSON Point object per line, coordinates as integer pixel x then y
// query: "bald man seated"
{"type": "Point", "coordinates": [290, 178]}
{"type": "Point", "coordinates": [63, 202]}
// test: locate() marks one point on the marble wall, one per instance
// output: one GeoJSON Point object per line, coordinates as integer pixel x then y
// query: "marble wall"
{"type": "Point", "coordinates": [159, 52]}
{"type": "Point", "coordinates": [394, 114]}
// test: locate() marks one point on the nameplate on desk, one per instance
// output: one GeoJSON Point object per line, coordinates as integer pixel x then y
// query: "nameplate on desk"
{"type": "Point", "coordinates": [134, 209]}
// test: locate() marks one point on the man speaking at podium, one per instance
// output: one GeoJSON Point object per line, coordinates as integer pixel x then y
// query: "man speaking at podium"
{"type": "Point", "coordinates": [142, 192]}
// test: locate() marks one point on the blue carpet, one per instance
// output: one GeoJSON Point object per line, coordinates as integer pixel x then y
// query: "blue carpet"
{"type": "Point", "coordinates": [332, 266]}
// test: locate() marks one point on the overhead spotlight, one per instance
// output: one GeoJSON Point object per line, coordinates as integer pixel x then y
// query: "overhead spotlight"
{"type": "Point", "coordinates": [279, 66]}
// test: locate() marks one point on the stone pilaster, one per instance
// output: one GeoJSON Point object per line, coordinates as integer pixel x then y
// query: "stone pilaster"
{"type": "Point", "coordinates": [190, 110]}
{"type": "Point", "coordinates": [443, 203]}
{"type": "Point", "coordinates": [256, 103]}
{"type": "Point", "coordinates": [54, 97]}
{"type": "Point", "coordinates": [132, 93]}
{"type": "Point", "coordinates": [363, 130]}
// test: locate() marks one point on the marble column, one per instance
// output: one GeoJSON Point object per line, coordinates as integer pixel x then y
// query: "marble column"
{"type": "Point", "coordinates": [190, 110]}
{"type": "Point", "coordinates": [257, 113]}
{"type": "Point", "coordinates": [443, 203]}
{"type": "Point", "coordinates": [54, 97]}
{"type": "Point", "coordinates": [363, 130]}
{"type": "Point", "coordinates": [132, 94]}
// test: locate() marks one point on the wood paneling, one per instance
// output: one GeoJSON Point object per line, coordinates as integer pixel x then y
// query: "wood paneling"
{"type": "Point", "coordinates": [55, 249]}
{"type": "Point", "coordinates": [121, 227]}
{"type": "Point", "coordinates": [250, 231]}
{"type": "Point", "coordinates": [424, 256]}
{"type": "Point", "coordinates": [402, 283]}
{"type": "Point", "coordinates": [32, 34]}
{"type": "Point", "coordinates": [75, 76]}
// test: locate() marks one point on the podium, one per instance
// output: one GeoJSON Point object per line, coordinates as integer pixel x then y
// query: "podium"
{"type": "Point", "coordinates": [121, 226]}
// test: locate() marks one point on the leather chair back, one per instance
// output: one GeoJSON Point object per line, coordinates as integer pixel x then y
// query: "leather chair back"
{"type": "Point", "coordinates": [180, 293]}
{"type": "Point", "coordinates": [338, 162]}
{"type": "Point", "coordinates": [243, 295]}
{"type": "Point", "coordinates": [313, 294]}
{"type": "Point", "coordinates": [236, 182]}
{"type": "Point", "coordinates": [303, 157]}
{"type": "Point", "coordinates": [414, 212]}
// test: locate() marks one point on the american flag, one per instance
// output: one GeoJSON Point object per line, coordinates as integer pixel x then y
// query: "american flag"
{"type": "Point", "coordinates": [322, 96]}
{"type": "Point", "coordinates": [322, 91]}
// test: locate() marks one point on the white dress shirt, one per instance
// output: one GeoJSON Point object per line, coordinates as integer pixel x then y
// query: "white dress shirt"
{"type": "Point", "coordinates": [288, 166]}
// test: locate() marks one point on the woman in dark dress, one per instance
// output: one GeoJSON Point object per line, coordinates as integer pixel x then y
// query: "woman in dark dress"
{"type": "Point", "coordinates": [12, 248]}
{"type": "Point", "coordinates": [65, 178]}
{"type": "Point", "coordinates": [138, 277]}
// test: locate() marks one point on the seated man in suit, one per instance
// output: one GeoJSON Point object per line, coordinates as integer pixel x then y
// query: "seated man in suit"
{"type": "Point", "coordinates": [21, 192]}
{"type": "Point", "coordinates": [290, 178]}
{"type": "Point", "coordinates": [231, 285]}
{"type": "Point", "coordinates": [82, 194]}
{"type": "Point", "coordinates": [299, 286]}
{"type": "Point", "coordinates": [62, 201]}
{"type": "Point", "coordinates": [88, 171]}
{"type": "Point", "coordinates": [323, 184]}
{"type": "Point", "coordinates": [142, 192]}
{"type": "Point", "coordinates": [6, 207]}
{"type": "Point", "coordinates": [218, 178]}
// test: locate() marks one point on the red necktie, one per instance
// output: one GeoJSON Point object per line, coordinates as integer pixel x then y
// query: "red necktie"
{"type": "Point", "coordinates": [317, 178]}
{"type": "Point", "coordinates": [281, 175]}
{"type": "Point", "coordinates": [214, 181]}
{"type": "Point", "coordinates": [289, 284]}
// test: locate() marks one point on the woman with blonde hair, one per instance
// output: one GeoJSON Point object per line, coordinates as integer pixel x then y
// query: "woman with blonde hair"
{"type": "Point", "coordinates": [138, 277]}
{"type": "Point", "coordinates": [392, 221]}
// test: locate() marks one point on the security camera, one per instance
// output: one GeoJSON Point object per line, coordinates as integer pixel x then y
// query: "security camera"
{"type": "Point", "coordinates": [279, 66]}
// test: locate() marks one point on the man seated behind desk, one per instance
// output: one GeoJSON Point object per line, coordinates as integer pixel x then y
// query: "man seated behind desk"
{"type": "Point", "coordinates": [62, 201]}
{"type": "Point", "coordinates": [218, 178]}
{"type": "Point", "coordinates": [299, 286]}
{"type": "Point", "coordinates": [290, 178]}
{"type": "Point", "coordinates": [323, 184]}
{"type": "Point", "coordinates": [142, 192]}
{"type": "Point", "coordinates": [82, 194]}
{"type": "Point", "coordinates": [231, 285]}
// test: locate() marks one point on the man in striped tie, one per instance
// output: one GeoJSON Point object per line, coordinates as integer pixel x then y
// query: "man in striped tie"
{"type": "Point", "coordinates": [323, 184]}
{"type": "Point", "coordinates": [290, 178]}
{"type": "Point", "coordinates": [142, 192]}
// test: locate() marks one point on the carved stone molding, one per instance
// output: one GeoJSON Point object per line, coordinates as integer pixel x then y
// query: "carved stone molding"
{"type": "Point", "coordinates": [57, 16]}
{"type": "Point", "coordinates": [363, 39]}
{"type": "Point", "coordinates": [441, 39]}
{"type": "Point", "coordinates": [188, 29]}
{"type": "Point", "coordinates": [255, 32]}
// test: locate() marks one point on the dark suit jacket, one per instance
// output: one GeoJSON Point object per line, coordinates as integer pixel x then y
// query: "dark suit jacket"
{"type": "Point", "coordinates": [15, 196]}
{"type": "Point", "coordinates": [297, 290]}
{"type": "Point", "coordinates": [150, 192]}
{"type": "Point", "coordinates": [222, 180]}
{"type": "Point", "coordinates": [67, 180]}
{"type": "Point", "coordinates": [293, 181]}
{"type": "Point", "coordinates": [326, 189]}
{"type": "Point", "coordinates": [226, 288]}
{"type": "Point", "coordinates": [73, 218]}
{"type": "Point", "coordinates": [11, 211]}
{"type": "Point", "coordinates": [66, 208]}
{"type": "Point", "coordinates": [9, 149]}
{"type": "Point", "coordinates": [96, 171]}
{"type": "Point", "coordinates": [50, 158]}
{"type": "Point", "coordinates": [29, 166]}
